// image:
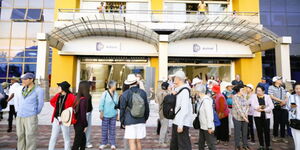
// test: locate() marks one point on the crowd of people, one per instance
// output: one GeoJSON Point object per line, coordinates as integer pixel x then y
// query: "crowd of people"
{"type": "Point", "coordinates": [218, 106]}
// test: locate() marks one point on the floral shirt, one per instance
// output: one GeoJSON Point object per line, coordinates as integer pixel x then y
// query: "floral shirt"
{"type": "Point", "coordinates": [240, 108]}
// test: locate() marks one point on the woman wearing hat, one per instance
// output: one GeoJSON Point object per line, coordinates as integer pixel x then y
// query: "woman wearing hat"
{"type": "Point", "coordinates": [108, 115]}
{"type": "Point", "coordinates": [61, 101]}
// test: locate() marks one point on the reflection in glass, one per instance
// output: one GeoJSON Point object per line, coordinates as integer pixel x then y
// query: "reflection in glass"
{"type": "Point", "coordinates": [48, 3]}
{"type": "Point", "coordinates": [18, 30]}
{"type": "Point", "coordinates": [21, 3]}
{"type": "Point", "coordinates": [47, 27]}
{"type": "Point", "coordinates": [5, 13]}
{"type": "Point", "coordinates": [30, 68]}
{"type": "Point", "coordinates": [33, 28]}
{"type": "Point", "coordinates": [18, 14]}
{"type": "Point", "coordinates": [17, 44]}
{"type": "Point", "coordinates": [3, 69]}
{"type": "Point", "coordinates": [48, 14]}
{"type": "Point", "coordinates": [4, 43]}
{"type": "Point", "coordinates": [15, 70]}
{"type": "Point", "coordinates": [7, 3]}
{"type": "Point", "coordinates": [5, 29]}
{"type": "Point", "coordinates": [36, 3]}
{"type": "Point", "coordinates": [34, 14]}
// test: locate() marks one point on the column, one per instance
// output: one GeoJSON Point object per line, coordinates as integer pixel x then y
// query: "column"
{"type": "Point", "coordinates": [42, 78]}
{"type": "Point", "coordinates": [163, 57]}
{"type": "Point", "coordinates": [282, 58]}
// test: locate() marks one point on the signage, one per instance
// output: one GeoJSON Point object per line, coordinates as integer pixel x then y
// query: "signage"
{"type": "Point", "coordinates": [108, 46]}
{"type": "Point", "coordinates": [199, 48]}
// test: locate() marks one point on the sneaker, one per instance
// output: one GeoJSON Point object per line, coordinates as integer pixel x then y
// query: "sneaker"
{"type": "Point", "coordinates": [113, 147]}
{"type": "Point", "coordinates": [252, 142]}
{"type": "Point", "coordinates": [284, 140]}
{"type": "Point", "coordinates": [274, 139]}
{"type": "Point", "coordinates": [89, 146]}
{"type": "Point", "coordinates": [101, 147]}
{"type": "Point", "coordinates": [225, 143]}
{"type": "Point", "coordinates": [246, 148]}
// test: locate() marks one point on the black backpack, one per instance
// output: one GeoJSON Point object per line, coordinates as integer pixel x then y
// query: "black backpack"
{"type": "Point", "coordinates": [169, 104]}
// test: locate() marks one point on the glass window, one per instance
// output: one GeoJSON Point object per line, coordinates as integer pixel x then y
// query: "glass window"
{"type": "Point", "coordinates": [18, 14]}
{"type": "Point", "coordinates": [48, 14]}
{"type": "Point", "coordinates": [17, 44]}
{"type": "Point", "coordinates": [280, 30]}
{"type": "Point", "coordinates": [265, 5]}
{"type": "Point", "coordinates": [36, 3]}
{"type": "Point", "coordinates": [30, 68]}
{"type": "Point", "coordinates": [15, 70]}
{"type": "Point", "coordinates": [48, 3]}
{"type": "Point", "coordinates": [278, 5]}
{"type": "Point", "coordinates": [7, 3]}
{"type": "Point", "coordinates": [3, 69]}
{"type": "Point", "coordinates": [292, 5]}
{"type": "Point", "coordinates": [29, 60]}
{"type": "Point", "coordinates": [34, 14]}
{"type": "Point", "coordinates": [30, 53]}
{"type": "Point", "coordinates": [3, 56]}
{"type": "Point", "coordinates": [30, 43]}
{"type": "Point", "coordinates": [4, 43]}
{"type": "Point", "coordinates": [16, 54]}
{"type": "Point", "coordinates": [48, 27]}
{"type": "Point", "coordinates": [265, 18]}
{"type": "Point", "coordinates": [33, 28]}
{"type": "Point", "coordinates": [18, 29]}
{"type": "Point", "coordinates": [295, 49]}
{"type": "Point", "coordinates": [5, 13]}
{"type": "Point", "coordinates": [21, 3]}
{"type": "Point", "coordinates": [294, 31]}
{"type": "Point", "coordinates": [291, 19]}
{"type": "Point", "coordinates": [278, 19]}
{"type": "Point", "coordinates": [5, 29]}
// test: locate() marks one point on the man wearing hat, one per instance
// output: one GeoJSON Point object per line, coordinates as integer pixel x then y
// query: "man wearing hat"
{"type": "Point", "coordinates": [63, 100]}
{"type": "Point", "coordinates": [15, 86]}
{"type": "Point", "coordinates": [264, 84]}
{"type": "Point", "coordinates": [280, 112]}
{"type": "Point", "coordinates": [28, 104]}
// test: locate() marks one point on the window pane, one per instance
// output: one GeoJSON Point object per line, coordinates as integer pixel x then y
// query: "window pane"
{"type": "Point", "coordinates": [5, 13]}
{"type": "Point", "coordinates": [48, 27]}
{"type": "Point", "coordinates": [277, 6]}
{"type": "Point", "coordinates": [265, 18]}
{"type": "Point", "coordinates": [30, 68]}
{"type": "Point", "coordinates": [4, 43]}
{"type": "Point", "coordinates": [48, 3]}
{"type": "Point", "coordinates": [30, 43]}
{"type": "Point", "coordinates": [292, 5]}
{"type": "Point", "coordinates": [3, 54]}
{"type": "Point", "coordinates": [35, 3]}
{"type": "Point", "coordinates": [33, 29]}
{"type": "Point", "coordinates": [264, 5]}
{"type": "Point", "coordinates": [30, 60]}
{"type": "Point", "coordinates": [30, 53]}
{"type": "Point", "coordinates": [21, 3]}
{"type": "Point", "coordinates": [7, 3]}
{"type": "Point", "coordinates": [278, 19]}
{"type": "Point", "coordinates": [34, 14]}
{"type": "Point", "coordinates": [3, 69]}
{"type": "Point", "coordinates": [17, 44]}
{"type": "Point", "coordinates": [48, 14]}
{"type": "Point", "coordinates": [18, 14]}
{"type": "Point", "coordinates": [49, 68]}
{"type": "Point", "coordinates": [16, 54]}
{"type": "Point", "coordinates": [15, 70]}
{"type": "Point", "coordinates": [18, 29]}
{"type": "Point", "coordinates": [291, 18]}
{"type": "Point", "coordinates": [294, 32]}
{"type": "Point", "coordinates": [5, 29]}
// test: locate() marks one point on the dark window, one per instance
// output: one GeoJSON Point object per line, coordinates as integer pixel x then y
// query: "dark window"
{"type": "Point", "coordinates": [15, 70]}
{"type": "Point", "coordinates": [30, 68]}
{"type": "Point", "coordinates": [34, 14]}
{"type": "Point", "coordinates": [3, 69]}
{"type": "Point", "coordinates": [18, 14]}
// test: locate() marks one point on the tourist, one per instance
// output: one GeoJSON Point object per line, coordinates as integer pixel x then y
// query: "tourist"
{"type": "Point", "coordinates": [280, 112]}
{"type": "Point", "coordinates": [29, 96]}
{"type": "Point", "coordinates": [262, 106]}
{"type": "Point", "coordinates": [265, 84]}
{"type": "Point", "coordinates": [222, 131]}
{"type": "Point", "coordinates": [124, 88]}
{"type": "Point", "coordinates": [294, 107]}
{"type": "Point", "coordinates": [15, 86]}
{"type": "Point", "coordinates": [240, 108]}
{"type": "Point", "coordinates": [228, 94]}
{"type": "Point", "coordinates": [108, 115]}
{"type": "Point", "coordinates": [201, 8]}
{"type": "Point", "coordinates": [134, 112]}
{"type": "Point", "coordinates": [163, 136]}
{"type": "Point", "coordinates": [206, 120]}
{"type": "Point", "coordinates": [249, 94]}
{"type": "Point", "coordinates": [62, 100]}
{"type": "Point", "coordinates": [183, 119]}
{"type": "Point", "coordinates": [80, 108]}
{"type": "Point", "coordinates": [89, 119]}
{"type": "Point", "coordinates": [237, 81]}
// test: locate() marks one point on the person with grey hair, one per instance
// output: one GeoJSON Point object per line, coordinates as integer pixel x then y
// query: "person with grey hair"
{"type": "Point", "coordinates": [108, 115]}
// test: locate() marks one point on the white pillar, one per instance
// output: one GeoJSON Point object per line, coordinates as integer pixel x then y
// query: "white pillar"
{"type": "Point", "coordinates": [282, 57]}
{"type": "Point", "coordinates": [42, 63]}
{"type": "Point", "coordinates": [163, 57]}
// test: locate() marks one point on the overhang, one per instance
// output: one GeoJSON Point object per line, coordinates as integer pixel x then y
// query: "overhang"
{"type": "Point", "coordinates": [101, 25]}
{"type": "Point", "coordinates": [229, 28]}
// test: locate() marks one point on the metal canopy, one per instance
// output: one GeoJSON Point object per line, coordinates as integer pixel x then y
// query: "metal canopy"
{"type": "Point", "coordinates": [227, 28]}
{"type": "Point", "coordinates": [101, 25]}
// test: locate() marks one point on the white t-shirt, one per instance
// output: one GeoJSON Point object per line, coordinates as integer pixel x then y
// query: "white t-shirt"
{"type": "Point", "coordinates": [13, 89]}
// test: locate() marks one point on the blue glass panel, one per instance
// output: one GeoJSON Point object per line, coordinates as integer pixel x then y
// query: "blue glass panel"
{"type": "Point", "coordinates": [265, 18]}
{"type": "Point", "coordinates": [264, 5]}
{"type": "Point", "coordinates": [295, 49]}
{"type": "Point", "coordinates": [2, 80]}
{"type": "Point", "coordinates": [278, 19]}
{"type": "Point", "coordinates": [30, 59]}
{"type": "Point", "coordinates": [31, 53]}
{"type": "Point", "coordinates": [15, 70]}
{"type": "Point", "coordinates": [3, 69]}
{"type": "Point", "coordinates": [50, 68]}
{"type": "Point", "coordinates": [292, 5]}
{"type": "Point", "coordinates": [34, 14]}
{"type": "Point", "coordinates": [279, 30]}
{"type": "Point", "coordinates": [278, 5]}
{"type": "Point", "coordinates": [294, 31]}
{"type": "Point", "coordinates": [30, 68]}
{"type": "Point", "coordinates": [18, 14]}
{"type": "Point", "coordinates": [293, 19]}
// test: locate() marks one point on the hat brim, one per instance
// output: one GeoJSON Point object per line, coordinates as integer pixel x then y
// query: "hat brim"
{"type": "Point", "coordinates": [129, 82]}
{"type": "Point", "coordinates": [68, 120]}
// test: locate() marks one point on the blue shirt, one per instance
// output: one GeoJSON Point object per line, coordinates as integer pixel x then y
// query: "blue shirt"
{"type": "Point", "coordinates": [107, 104]}
{"type": "Point", "coordinates": [265, 85]}
{"type": "Point", "coordinates": [30, 105]}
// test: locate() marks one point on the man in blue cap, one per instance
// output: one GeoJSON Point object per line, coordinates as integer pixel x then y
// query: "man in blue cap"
{"type": "Point", "coordinates": [264, 84]}
{"type": "Point", "coordinates": [28, 104]}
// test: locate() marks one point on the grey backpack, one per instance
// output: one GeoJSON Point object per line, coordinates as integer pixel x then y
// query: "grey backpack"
{"type": "Point", "coordinates": [137, 109]}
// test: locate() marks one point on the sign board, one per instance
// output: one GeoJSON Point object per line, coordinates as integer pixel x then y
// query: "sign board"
{"type": "Point", "coordinates": [108, 46]}
{"type": "Point", "coordinates": [201, 48]}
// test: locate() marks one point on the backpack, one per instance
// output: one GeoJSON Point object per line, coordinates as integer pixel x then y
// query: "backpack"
{"type": "Point", "coordinates": [137, 109]}
{"type": "Point", "coordinates": [169, 104]}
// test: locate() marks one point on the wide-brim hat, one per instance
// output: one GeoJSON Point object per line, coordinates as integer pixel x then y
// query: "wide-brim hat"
{"type": "Point", "coordinates": [65, 86]}
{"type": "Point", "coordinates": [196, 81]}
{"type": "Point", "coordinates": [66, 116]}
{"type": "Point", "coordinates": [276, 78]}
{"type": "Point", "coordinates": [15, 78]}
{"type": "Point", "coordinates": [131, 78]}
{"type": "Point", "coordinates": [180, 74]}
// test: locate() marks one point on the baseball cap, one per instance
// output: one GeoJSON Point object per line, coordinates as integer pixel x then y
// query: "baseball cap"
{"type": "Point", "coordinates": [180, 74]}
{"type": "Point", "coordinates": [263, 78]}
{"type": "Point", "coordinates": [27, 76]}
{"type": "Point", "coordinates": [276, 78]}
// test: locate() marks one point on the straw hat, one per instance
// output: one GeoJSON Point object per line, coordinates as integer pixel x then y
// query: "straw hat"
{"type": "Point", "coordinates": [66, 116]}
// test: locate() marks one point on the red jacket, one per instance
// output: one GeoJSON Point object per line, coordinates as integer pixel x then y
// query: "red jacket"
{"type": "Point", "coordinates": [69, 102]}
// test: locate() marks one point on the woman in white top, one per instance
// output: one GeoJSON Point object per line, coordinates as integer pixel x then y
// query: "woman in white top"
{"type": "Point", "coordinates": [294, 108]}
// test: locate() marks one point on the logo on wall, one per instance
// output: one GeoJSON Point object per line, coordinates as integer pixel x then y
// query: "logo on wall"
{"type": "Point", "coordinates": [204, 48]}
{"type": "Point", "coordinates": [196, 48]}
{"type": "Point", "coordinates": [99, 46]}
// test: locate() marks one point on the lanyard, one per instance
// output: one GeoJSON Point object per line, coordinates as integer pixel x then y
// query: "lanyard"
{"type": "Point", "coordinates": [26, 92]}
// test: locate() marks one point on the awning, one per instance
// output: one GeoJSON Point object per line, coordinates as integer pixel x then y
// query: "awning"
{"type": "Point", "coordinates": [101, 25]}
{"type": "Point", "coordinates": [228, 28]}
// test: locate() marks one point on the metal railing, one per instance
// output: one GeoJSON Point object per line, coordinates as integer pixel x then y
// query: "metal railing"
{"type": "Point", "coordinates": [155, 16]}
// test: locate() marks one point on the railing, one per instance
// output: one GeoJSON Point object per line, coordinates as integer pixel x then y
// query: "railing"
{"type": "Point", "coordinates": [155, 16]}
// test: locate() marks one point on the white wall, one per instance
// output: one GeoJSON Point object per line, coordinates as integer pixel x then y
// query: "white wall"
{"type": "Point", "coordinates": [222, 48]}
{"type": "Point", "coordinates": [111, 46]}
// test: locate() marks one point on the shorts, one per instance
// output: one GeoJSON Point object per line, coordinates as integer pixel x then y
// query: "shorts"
{"type": "Point", "coordinates": [136, 131]}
